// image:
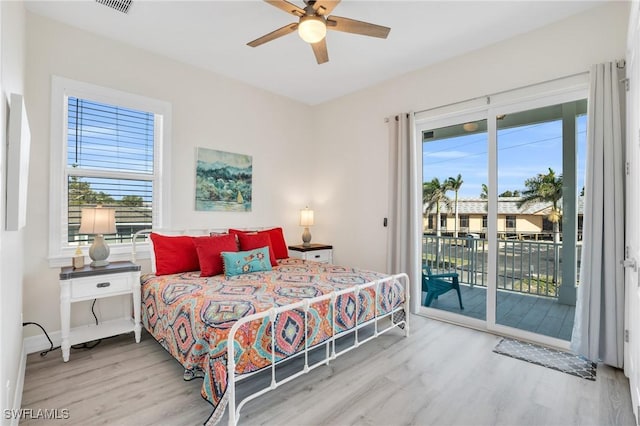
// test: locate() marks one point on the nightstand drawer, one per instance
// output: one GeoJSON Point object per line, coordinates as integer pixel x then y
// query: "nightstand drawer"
{"type": "Point", "coordinates": [322, 253]}
{"type": "Point", "coordinates": [318, 255]}
{"type": "Point", "coordinates": [100, 286]}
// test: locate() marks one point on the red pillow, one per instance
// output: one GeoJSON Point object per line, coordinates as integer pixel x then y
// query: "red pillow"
{"type": "Point", "coordinates": [174, 254]}
{"type": "Point", "coordinates": [240, 231]}
{"type": "Point", "coordinates": [209, 249]}
{"type": "Point", "coordinates": [278, 244]}
{"type": "Point", "coordinates": [254, 241]}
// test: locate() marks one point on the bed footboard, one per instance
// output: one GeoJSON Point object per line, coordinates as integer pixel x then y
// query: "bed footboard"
{"type": "Point", "coordinates": [391, 318]}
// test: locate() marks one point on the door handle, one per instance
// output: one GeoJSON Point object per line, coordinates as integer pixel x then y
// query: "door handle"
{"type": "Point", "coordinates": [630, 263]}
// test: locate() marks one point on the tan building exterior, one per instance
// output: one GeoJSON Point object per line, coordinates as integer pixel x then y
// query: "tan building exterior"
{"type": "Point", "coordinates": [528, 222]}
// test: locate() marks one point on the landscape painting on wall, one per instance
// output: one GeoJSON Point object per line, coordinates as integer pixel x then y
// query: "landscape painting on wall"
{"type": "Point", "coordinates": [223, 181]}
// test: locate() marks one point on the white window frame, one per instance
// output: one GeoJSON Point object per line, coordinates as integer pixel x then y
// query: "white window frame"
{"type": "Point", "coordinates": [60, 252]}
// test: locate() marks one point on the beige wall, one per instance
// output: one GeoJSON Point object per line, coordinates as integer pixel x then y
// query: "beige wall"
{"type": "Point", "coordinates": [475, 223]}
{"type": "Point", "coordinates": [529, 223]}
{"type": "Point", "coordinates": [12, 63]}
{"type": "Point", "coordinates": [350, 186]}
{"type": "Point", "coordinates": [208, 111]}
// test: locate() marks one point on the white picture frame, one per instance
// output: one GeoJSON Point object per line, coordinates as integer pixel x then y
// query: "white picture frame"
{"type": "Point", "coordinates": [18, 147]}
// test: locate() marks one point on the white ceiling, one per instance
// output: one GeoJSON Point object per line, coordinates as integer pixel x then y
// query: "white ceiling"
{"type": "Point", "coordinates": [213, 35]}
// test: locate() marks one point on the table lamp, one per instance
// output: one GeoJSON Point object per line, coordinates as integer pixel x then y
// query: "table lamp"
{"type": "Point", "coordinates": [306, 220]}
{"type": "Point", "coordinates": [98, 221]}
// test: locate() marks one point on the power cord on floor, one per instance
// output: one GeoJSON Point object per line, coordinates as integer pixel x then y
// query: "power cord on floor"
{"type": "Point", "coordinates": [93, 312]}
{"type": "Point", "coordinates": [87, 345]}
{"type": "Point", "coordinates": [43, 353]}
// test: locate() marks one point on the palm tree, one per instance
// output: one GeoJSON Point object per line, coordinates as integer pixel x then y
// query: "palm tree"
{"type": "Point", "coordinates": [454, 185]}
{"type": "Point", "coordinates": [434, 194]}
{"type": "Point", "coordinates": [485, 196]}
{"type": "Point", "coordinates": [545, 188]}
{"type": "Point", "coordinates": [485, 192]}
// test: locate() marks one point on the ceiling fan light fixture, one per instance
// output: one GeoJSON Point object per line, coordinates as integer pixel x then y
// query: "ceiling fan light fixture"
{"type": "Point", "coordinates": [312, 29]}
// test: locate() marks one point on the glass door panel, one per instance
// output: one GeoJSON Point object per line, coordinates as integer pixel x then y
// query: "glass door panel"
{"type": "Point", "coordinates": [540, 181]}
{"type": "Point", "coordinates": [454, 244]}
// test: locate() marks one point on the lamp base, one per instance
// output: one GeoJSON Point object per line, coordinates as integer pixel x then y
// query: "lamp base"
{"type": "Point", "coordinates": [306, 238]}
{"type": "Point", "coordinates": [99, 252]}
{"type": "Point", "coordinates": [99, 263]}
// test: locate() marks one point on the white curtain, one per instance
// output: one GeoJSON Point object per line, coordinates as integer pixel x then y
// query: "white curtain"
{"type": "Point", "coordinates": [599, 321]}
{"type": "Point", "coordinates": [404, 201]}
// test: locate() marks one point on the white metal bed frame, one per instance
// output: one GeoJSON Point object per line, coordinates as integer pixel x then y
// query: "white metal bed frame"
{"type": "Point", "coordinates": [234, 406]}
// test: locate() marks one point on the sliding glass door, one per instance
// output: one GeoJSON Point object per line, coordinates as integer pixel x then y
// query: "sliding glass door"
{"type": "Point", "coordinates": [540, 176]}
{"type": "Point", "coordinates": [502, 214]}
{"type": "Point", "coordinates": [454, 170]}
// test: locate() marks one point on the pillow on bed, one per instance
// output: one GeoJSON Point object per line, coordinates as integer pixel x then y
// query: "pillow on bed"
{"type": "Point", "coordinates": [244, 262]}
{"type": "Point", "coordinates": [254, 241]}
{"type": "Point", "coordinates": [174, 254]}
{"type": "Point", "coordinates": [278, 244]}
{"type": "Point", "coordinates": [209, 249]}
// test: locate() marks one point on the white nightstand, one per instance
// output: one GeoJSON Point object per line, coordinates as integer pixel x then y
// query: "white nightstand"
{"type": "Point", "coordinates": [89, 283]}
{"type": "Point", "coordinates": [322, 253]}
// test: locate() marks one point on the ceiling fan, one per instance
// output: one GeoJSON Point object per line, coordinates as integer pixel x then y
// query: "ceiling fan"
{"type": "Point", "coordinates": [314, 22]}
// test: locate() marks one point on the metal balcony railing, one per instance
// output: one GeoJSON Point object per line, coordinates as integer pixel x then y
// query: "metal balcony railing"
{"type": "Point", "coordinates": [529, 267]}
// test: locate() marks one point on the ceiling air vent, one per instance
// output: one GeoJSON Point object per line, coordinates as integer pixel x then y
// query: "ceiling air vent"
{"type": "Point", "coordinates": [119, 5]}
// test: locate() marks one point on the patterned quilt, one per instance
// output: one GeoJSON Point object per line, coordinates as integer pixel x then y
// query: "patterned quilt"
{"type": "Point", "coordinates": [191, 316]}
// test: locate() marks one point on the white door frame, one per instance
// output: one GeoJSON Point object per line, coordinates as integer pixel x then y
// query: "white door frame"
{"type": "Point", "coordinates": [552, 93]}
{"type": "Point", "coordinates": [474, 110]}
{"type": "Point", "coordinates": [632, 211]}
{"type": "Point", "coordinates": [573, 94]}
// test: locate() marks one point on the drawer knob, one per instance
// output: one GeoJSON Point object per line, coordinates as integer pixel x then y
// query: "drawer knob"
{"type": "Point", "coordinates": [317, 256]}
{"type": "Point", "coordinates": [103, 285]}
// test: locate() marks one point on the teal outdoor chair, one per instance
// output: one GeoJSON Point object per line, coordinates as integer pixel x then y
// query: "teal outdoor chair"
{"type": "Point", "coordinates": [437, 284]}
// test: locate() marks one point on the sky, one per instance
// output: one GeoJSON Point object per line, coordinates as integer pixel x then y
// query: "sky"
{"type": "Point", "coordinates": [523, 152]}
{"type": "Point", "coordinates": [110, 138]}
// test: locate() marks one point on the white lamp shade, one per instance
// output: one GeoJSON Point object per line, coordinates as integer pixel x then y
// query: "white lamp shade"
{"type": "Point", "coordinates": [312, 29]}
{"type": "Point", "coordinates": [306, 217]}
{"type": "Point", "coordinates": [98, 220]}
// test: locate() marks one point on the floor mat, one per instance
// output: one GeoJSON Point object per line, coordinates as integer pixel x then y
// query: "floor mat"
{"type": "Point", "coordinates": [546, 357]}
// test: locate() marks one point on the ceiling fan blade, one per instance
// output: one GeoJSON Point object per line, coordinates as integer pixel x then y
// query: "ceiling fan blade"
{"type": "Point", "coordinates": [356, 27]}
{"type": "Point", "coordinates": [287, 29]}
{"type": "Point", "coordinates": [324, 7]}
{"type": "Point", "coordinates": [320, 50]}
{"type": "Point", "coordinates": [287, 7]}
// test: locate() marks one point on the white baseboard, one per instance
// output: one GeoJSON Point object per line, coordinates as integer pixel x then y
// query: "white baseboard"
{"type": "Point", "coordinates": [40, 343]}
{"type": "Point", "coordinates": [17, 397]}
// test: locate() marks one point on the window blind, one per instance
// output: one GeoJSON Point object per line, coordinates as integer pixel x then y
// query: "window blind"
{"type": "Point", "coordinates": [107, 137]}
{"type": "Point", "coordinates": [110, 160]}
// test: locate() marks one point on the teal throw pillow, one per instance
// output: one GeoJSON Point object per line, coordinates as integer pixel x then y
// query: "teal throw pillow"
{"type": "Point", "coordinates": [243, 262]}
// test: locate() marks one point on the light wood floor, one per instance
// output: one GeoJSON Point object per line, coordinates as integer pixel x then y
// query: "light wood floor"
{"type": "Point", "coordinates": [441, 375]}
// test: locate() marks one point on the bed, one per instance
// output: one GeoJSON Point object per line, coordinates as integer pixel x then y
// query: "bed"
{"type": "Point", "coordinates": [226, 328]}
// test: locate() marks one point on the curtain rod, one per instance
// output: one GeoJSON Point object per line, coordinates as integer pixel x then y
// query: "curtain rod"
{"type": "Point", "coordinates": [509, 90]}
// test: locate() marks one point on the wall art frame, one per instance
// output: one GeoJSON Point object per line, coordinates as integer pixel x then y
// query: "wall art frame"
{"type": "Point", "coordinates": [223, 181]}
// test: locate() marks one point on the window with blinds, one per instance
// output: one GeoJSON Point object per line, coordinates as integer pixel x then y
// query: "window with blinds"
{"type": "Point", "coordinates": [110, 162]}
